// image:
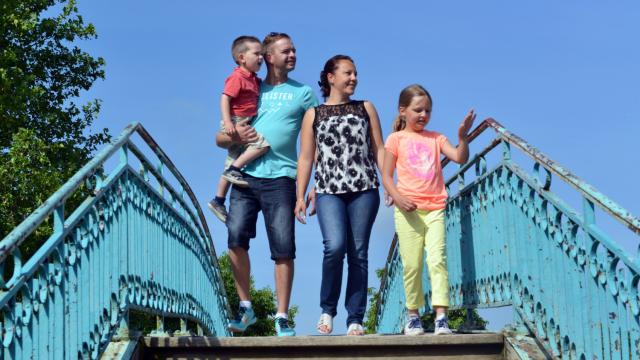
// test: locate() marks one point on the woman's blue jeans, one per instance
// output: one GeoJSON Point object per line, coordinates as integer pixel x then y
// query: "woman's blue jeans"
{"type": "Point", "coordinates": [346, 221]}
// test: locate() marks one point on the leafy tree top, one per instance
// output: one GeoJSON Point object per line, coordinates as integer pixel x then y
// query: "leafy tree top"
{"type": "Point", "coordinates": [42, 72]}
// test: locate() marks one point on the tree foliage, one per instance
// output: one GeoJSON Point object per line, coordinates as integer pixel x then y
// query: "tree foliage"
{"type": "Point", "coordinates": [45, 135]}
{"type": "Point", "coordinates": [263, 302]}
{"type": "Point", "coordinates": [371, 321]}
{"type": "Point", "coordinates": [26, 179]}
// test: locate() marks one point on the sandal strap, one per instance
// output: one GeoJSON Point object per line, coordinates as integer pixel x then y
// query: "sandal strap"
{"type": "Point", "coordinates": [325, 320]}
{"type": "Point", "coordinates": [355, 327]}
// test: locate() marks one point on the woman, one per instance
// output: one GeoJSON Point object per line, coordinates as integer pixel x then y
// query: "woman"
{"type": "Point", "coordinates": [343, 136]}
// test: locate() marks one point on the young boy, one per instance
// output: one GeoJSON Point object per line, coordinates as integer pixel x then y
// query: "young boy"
{"type": "Point", "coordinates": [239, 103]}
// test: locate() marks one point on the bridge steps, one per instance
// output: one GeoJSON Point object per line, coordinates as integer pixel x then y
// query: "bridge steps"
{"type": "Point", "coordinates": [483, 346]}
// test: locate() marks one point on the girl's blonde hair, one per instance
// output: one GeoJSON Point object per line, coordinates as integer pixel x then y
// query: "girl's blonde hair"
{"type": "Point", "coordinates": [406, 95]}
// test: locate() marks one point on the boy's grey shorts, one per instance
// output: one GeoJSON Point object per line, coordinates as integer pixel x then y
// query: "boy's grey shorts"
{"type": "Point", "coordinates": [235, 150]}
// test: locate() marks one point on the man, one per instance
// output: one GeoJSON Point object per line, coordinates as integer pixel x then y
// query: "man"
{"type": "Point", "coordinates": [271, 179]}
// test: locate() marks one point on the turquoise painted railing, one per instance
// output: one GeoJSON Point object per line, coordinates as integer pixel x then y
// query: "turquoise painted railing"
{"type": "Point", "coordinates": [512, 241]}
{"type": "Point", "coordinates": [130, 245]}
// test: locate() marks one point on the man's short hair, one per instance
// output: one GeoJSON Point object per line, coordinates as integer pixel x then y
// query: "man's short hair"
{"type": "Point", "coordinates": [239, 45]}
{"type": "Point", "coordinates": [271, 38]}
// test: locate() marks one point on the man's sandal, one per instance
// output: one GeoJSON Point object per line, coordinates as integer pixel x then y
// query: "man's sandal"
{"type": "Point", "coordinates": [325, 324]}
{"type": "Point", "coordinates": [355, 329]}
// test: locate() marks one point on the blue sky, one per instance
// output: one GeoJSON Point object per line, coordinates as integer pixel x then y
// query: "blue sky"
{"type": "Point", "coordinates": [562, 75]}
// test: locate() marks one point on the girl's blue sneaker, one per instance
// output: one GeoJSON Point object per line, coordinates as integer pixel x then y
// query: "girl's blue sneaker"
{"type": "Point", "coordinates": [442, 327]}
{"type": "Point", "coordinates": [282, 327]}
{"type": "Point", "coordinates": [413, 326]}
{"type": "Point", "coordinates": [246, 317]}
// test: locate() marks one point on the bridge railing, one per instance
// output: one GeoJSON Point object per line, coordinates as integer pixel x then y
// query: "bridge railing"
{"type": "Point", "coordinates": [138, 241]}
{"type": "Point", "coordinates": [512, 241]}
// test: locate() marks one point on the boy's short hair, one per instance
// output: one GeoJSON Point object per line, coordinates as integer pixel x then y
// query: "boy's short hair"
{"type": "Point", "coordinates": [271, 38]}
{"type": "Point", "coordinates": [239, 45]}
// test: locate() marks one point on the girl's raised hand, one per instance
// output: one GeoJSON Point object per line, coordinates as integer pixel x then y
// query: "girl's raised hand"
{"type": "Point", "coordinates": [405, 204]}
{"type": "Point", "coordinates": [466, 124]}
{"type": "Point", "coordinates": [300, 211]}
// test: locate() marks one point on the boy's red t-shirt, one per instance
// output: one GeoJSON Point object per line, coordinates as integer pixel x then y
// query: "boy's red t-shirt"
{"type": "Point", "coordinates": [243, 87]}
{"type": "Point", "coordinates": [418, 167]}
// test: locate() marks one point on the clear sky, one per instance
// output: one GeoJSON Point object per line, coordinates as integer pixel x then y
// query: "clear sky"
{"type": "Point", "coordinates": [562, 75]}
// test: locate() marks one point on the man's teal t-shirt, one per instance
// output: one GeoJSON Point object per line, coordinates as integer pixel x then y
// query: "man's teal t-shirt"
{"type": "Point", "coordinates": [279, 119]}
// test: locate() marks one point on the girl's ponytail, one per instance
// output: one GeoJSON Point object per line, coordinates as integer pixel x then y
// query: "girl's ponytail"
{"type": "Point", "coordinates": [398, 124]}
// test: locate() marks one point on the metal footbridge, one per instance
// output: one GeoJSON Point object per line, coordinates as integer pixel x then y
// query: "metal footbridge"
{"type": "Point", "coordinates": [139, 243]}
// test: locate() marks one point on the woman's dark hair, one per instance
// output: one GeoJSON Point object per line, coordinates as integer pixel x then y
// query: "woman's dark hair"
{"type": "Point", "coordinates": [329, 67]}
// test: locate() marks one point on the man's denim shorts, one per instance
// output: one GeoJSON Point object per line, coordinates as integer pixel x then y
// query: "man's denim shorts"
{"type": "Point", "coordinates": [276, 198]}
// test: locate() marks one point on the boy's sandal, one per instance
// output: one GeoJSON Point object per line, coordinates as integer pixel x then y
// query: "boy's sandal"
{"type": "Point", "coordinates": [355, 329]}
{"type": "Point", "coordinates": [325, 324]}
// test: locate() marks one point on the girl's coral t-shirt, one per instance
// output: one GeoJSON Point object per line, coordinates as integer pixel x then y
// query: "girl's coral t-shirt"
{"type": "Point", "coordinates": [418, 167]}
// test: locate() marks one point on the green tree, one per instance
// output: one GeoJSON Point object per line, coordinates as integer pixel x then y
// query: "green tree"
{"type": "Point", "coordinates": [371, 321]}
{"type": "Point", "coordinates": [45, 135]}
{"type": "Point", "coordinates": [456, 317]}
{"type": "Point", "coordinates": [263, 302]}
{"type": "Point", "coordinates": [26, 179]}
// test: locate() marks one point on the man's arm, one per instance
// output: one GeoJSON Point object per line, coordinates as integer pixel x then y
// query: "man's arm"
{"type": "Point", "coordinates": [244, 135]}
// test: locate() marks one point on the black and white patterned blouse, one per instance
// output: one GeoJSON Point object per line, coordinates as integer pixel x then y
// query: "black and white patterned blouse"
{"type": "Point", "coordinates": [343, 144]}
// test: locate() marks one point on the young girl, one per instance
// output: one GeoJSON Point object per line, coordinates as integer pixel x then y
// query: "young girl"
{"type": "Point", "coordinates": [420, 199]}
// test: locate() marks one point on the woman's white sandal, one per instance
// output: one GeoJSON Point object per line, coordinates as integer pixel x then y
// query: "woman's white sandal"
{"type": "Point", "coordinates": [326, 320]}
{"type": "Point", "coordinates": [355, 329]}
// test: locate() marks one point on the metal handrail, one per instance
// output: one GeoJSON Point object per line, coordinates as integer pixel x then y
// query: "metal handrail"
{"type": "Point", "coordinates": [586, 190]}
{"type": "Point", "coordinates": [16, 237]}
{"type": "Point", "coordinates": [174, 224]}
{"type": "Point", "coordinates": [185, 185]}
{"type": "Point", "coordinates": [20, 232]}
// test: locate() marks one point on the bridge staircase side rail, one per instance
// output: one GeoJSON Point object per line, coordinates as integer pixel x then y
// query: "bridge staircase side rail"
{"type": "Point", "coordinates": [512, 241]}
{"type": "Point", "coordinates": [139, 241]}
